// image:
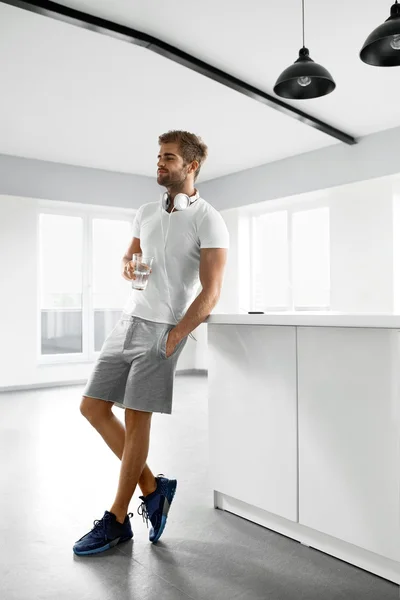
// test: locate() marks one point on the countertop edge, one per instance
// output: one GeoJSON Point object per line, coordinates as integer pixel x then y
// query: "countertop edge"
{"type": "Point", "coordinates": [385, 321]}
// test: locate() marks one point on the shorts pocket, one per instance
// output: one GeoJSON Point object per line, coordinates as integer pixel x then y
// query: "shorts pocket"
{"type": "Point", "coordinates": [163, 345]}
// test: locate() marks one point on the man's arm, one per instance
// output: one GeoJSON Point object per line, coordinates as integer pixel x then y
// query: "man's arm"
{"type": "Point", "coordinates": [212, 266]}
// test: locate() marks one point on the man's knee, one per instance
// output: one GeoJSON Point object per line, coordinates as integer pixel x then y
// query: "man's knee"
{"type": "Point", "coordinates": [137, 418]}
{"type": "Point", "coordinates": [94, 409]}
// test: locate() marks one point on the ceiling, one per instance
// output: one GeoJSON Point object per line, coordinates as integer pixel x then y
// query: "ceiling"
{"type": "Point", "coordinates": [77, 97]}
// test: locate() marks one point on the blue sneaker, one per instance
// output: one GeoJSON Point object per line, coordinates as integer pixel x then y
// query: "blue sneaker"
{"type": "Point", "coordinates": [156, 506]}
{"type": "Point", "coordinates": [106, 533]}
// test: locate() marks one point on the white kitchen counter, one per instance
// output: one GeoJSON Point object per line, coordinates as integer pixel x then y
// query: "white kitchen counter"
{"type": "Point", "coordinates": [310, 319]}
{"type": "Point", "coordinates": [304, 429]}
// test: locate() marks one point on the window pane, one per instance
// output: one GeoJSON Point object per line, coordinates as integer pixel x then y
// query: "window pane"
{"type": "Point", "coordinates": [270, 260]}
{"type": "Point", "coordinates": [311, 259]}
{"type": "Point", "coordinates": [61, 283]}
{"type": "Point", "coordinates": [110, 291]}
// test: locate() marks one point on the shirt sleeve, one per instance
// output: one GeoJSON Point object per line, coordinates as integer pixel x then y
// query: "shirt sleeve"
{"type": "Point", "coordinates": [136, 223]}
{"type": "Point", "coordinates": [213, 232]}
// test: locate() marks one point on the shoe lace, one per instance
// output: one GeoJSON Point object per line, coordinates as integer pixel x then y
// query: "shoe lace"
{"type": "Point", "coordinates": [102, 522]}
{"type": "Point", "coordinates": [143, 512]}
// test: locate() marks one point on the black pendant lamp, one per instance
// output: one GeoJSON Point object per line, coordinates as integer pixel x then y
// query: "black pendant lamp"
{"type": "Point", "coordinates": [305, 78]}
{"type": "Point", "coordinates": [382, 46]}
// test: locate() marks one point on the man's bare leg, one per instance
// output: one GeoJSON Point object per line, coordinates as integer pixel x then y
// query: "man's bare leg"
{"type": "Point", "coordinates": [136, 448]}
{"type": "Point", "coordinates": [100, 415]}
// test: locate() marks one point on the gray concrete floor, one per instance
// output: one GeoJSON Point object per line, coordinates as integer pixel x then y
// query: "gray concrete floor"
{"type": "Point", "coordinates": [58, 476]}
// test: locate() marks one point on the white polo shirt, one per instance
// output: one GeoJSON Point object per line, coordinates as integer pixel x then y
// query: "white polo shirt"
{"type": "Point", "coordinates": [196, 227]}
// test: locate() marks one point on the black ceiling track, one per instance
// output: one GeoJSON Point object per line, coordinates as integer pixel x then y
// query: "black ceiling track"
{"type": "Point", "coordinates": [132, 36]}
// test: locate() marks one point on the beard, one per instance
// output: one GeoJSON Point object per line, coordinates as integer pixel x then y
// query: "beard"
{"type": "Point", "coordinates": [171, 179]}
{"type": "Point", "coordinates": [163, 179]}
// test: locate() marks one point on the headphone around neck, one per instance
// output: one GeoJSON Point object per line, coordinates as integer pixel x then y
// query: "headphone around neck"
{"type": "Point", "coordinates": [181, 201]}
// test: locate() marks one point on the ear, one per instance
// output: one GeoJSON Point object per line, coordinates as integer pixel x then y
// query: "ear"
{"type": "Point", "coordinates": [194, 166]}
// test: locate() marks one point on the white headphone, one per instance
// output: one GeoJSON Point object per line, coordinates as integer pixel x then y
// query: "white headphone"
{"type": "Point", "coordinates": [181, 201]}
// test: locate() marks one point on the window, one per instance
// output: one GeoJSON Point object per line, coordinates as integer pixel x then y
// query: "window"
{"type": "Point", "coordinates": [81, 290]}
{"type": "Point", "coordinates": [310, 259]}
{"type": "Point", "coordinates": [61, 257]}
{"type": "Point", "coordinates": [270, 261]}
{"type": "Point", "coordinates": [291, 260]}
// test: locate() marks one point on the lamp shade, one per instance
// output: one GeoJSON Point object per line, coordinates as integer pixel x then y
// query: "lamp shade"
{"type": "Point", "coordinates": [304, 79]}
{"type": "Point", "coordinates": [382, 46]}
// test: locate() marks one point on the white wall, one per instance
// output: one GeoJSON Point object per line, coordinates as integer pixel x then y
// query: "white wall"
{"type": "Point", "coordinates": [396, 251]}
{"type": "Point", "coordinates": [375, 155]}
{"type": "Point", "coordinates": [28, 178]}
{"type": "Point", "coordinates": [362, 248]}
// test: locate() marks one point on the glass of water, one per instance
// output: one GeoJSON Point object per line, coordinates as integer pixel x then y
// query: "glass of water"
{"type": "Point", "coordinates": [142, 270]}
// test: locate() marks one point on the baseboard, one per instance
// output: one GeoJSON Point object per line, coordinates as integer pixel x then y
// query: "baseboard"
{"type": "Point", "coordinates": [192, 372]}
{"type": "Point", "coordinates": [52, 384]}
{"type": "Point", "coordinates": [358, 557]}
{"type": "Point", "coordinates": [41, 384]}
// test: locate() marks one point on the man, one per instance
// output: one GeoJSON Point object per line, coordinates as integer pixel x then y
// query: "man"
{"type": "Point", "coordinates": [137, 363]}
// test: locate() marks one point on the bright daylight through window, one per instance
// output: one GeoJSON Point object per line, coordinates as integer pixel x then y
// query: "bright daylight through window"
{"type": "Point", "coordinates": [81, 290]}
{"type": "Point", "coordinates": [291, 260]}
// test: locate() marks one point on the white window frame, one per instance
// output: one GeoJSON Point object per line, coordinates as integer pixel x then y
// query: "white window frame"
{"type": "Point", "coordinates": [310, 205]}
{"type": "Point", "coordinates": [87, 213]}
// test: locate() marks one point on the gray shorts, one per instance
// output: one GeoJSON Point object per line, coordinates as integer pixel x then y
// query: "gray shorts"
{"type": "Point", "coordinates": [132, 369]}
